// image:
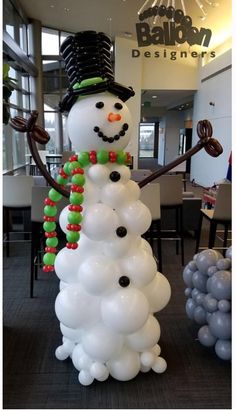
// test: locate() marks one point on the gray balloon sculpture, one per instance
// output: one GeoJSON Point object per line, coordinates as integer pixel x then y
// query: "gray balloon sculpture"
{"type": "Point", "coordinates": [208, 281]}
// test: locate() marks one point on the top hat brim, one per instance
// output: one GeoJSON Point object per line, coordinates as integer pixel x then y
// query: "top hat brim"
{"type": "Point", "coordinates": [124, 93]}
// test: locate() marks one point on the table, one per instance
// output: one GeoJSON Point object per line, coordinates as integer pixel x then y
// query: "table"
{"type": "Point", "coordinates": [51, 159]}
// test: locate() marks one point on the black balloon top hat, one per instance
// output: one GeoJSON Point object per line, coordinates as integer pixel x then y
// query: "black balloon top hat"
{"type": "Point", "coordinates": [87, 57]}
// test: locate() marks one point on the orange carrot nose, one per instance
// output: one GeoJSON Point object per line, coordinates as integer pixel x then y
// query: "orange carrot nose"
{"type": "Point", "coordinates": [113, 117]}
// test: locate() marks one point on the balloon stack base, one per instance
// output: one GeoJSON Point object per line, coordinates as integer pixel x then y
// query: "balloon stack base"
{"type": "Point", "coordinates": [208, 281]}
{"type": "Point", "coordinates": [124, 366]}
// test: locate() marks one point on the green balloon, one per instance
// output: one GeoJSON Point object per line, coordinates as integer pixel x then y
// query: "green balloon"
{"type": "Point", "coordinates": [83, 158]}
{"type": "Point", "coordinates": [50, 211]}
{"type": "Point", "coordinates": [72, 236]}
{"type": "Point", "coordinates": [78, 179]}
{"type": "Point", "coordinates": [73, 165]}
{"type": "Point", "coordinates": [61, 180]}
{"type": "Point", "coordinates": [76, 198]}
{"type": "Point", "coordinates": [52, 242]}
{"type": "Point", "coordinates": [102, 157]}
{"type": "Point", "coordinates": [121, 157]}
{"type": "Point", "coordinates": [54, 195]}
{"type": "Point", "coordinates": [49, 226]}
{"type": "Point", "coordinates": [66, 168]}
{"type": "Point", "coordinates": [74, 217]}
{"type": "Point", "coordinates": [49, 258]}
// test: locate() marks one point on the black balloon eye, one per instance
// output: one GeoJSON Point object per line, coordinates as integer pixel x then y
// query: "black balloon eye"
{"type": "Point", "coordinates": [124, 281]}
{"type": "Point", "coordinates": [115, 176]}
{"type": "Point", "coordinates": [100, 104]}
{"type": "Point", "coordinates": [118, 106]}
{"type": "Point", "coordinates": [121, 231]}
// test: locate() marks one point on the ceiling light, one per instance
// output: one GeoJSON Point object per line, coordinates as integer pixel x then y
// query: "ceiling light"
{"type": "Point", "coordinates": [154, 96]}
{"type": "Point", "coordinates": [127, 34]}
{"type": "Point", "coordinates": [66, 9]}
{"type": "Point", "coordinates": [167, 3]}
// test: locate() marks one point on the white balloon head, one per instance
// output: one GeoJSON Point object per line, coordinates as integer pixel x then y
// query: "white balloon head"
{"type": "Point", "coordinates": [99, 122]}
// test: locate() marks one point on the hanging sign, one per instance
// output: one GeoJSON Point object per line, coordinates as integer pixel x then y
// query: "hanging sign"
{"type": "Point", "coordinates": [176, 31]}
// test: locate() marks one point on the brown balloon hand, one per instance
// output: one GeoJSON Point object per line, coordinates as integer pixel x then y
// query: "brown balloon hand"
{"type": "Point", "coordinates": [37, 134]}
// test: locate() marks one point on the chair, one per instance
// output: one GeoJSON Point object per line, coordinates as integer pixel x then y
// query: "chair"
{"type": "Point", "coordinates": [16, 197]}
{"type": "Point", "coordinates": [66, 155]}
{"type": "Point", "coordinates": [180, 169]}
{"type": "Point", "coordinates": [33, 167]}
{"type": "Point", "coordinates": [221, 214]}
{"type": "Point", "coordinates": [140, 174]}
{"type": "Point", "coordinates": [150, 196]}
{"type": "Point", "coordinates": [39, 193]}
{"type": "Point", "coordinates": [171, 199]}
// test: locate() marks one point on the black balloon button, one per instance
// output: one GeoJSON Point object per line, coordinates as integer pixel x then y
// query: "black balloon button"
{"type": "Point", "coordinates": [100, 104]}
{"type": "Point", "coordinates": [118, 106]}
{"type": "Point", "coordinates": [121, 231]}
{"type": "Point", "coordinates": [124, 281]}
{"type": "Point", "coordinates": [115, 176]}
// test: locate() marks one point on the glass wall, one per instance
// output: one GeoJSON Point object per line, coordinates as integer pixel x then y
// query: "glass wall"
{"type": "Point", "coordinates": [14, 146]}
{"type": "Point", "coordinates": [14, 24]}
{"type": "Point", "coordinates": [55, 84]}
{"type": "Point", "coordinates": [148, 140]}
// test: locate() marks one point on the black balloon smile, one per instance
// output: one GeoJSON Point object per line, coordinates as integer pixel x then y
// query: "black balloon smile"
{"type": "Point", "coordinates": [121, 133]}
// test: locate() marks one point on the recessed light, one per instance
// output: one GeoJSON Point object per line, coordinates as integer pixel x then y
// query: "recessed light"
{"type": "Point", "coordinates": [127, 34]}
{"type": "Point", "coordinates": [154, 96]}
{"type": "Point", "coordinates": [66, 9]}
{"type": "Point", "coordinates": [51, 6]}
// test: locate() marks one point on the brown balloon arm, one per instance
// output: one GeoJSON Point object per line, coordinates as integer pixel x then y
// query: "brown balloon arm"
{"type": "Point", "coordinates": [36, 133]}
{"type": "Point", "coordinates": [173, 164]}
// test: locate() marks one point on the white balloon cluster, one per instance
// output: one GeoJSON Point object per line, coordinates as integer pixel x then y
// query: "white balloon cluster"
{"type": "Point", "coordinates": [208, 281]}
{"type": "Point", "coordinates": [110, 287]}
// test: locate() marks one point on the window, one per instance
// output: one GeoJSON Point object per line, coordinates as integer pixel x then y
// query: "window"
{"type": "Point", "coordinates": [148, 139]}
{"type": "Point", "coordinates": [50, 42]}
{"type": "Point", "coordinates": [15, 24]}
{"type": "Point", "coordinates": [55, 84]}
{"type": "Point", "coordinates": [14, 145]}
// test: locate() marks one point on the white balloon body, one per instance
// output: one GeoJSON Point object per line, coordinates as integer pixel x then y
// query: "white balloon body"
{"type": "Point", "coordinates": [109, 286]}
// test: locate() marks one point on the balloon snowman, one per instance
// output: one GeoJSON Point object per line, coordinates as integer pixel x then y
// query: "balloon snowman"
{"type": "Point", "coordinates": [109, 284]}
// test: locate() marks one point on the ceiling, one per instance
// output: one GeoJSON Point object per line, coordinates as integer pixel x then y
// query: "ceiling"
{"type": "Point", "coordinates": [118, 18]}
{"type": "Point", "coordinates": [169, 99]}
